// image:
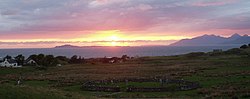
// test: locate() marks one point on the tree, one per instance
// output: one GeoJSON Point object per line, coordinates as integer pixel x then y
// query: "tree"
{"type": "Point", "coordinates": [20, 59]}
{"type": "Point", "coordinates": [125, 57]}
{"type": "Point", "coordinates": [40, 59]}
{"type": "Point", "coordinates": [62, 58]}
{"type": "Point", "coordinates": [76, 60]}
{"type": "Point", "coordinates": [73, 59]}
{"type": "Point", "coordinates": [81, 59]}
{"type": "Point", "coordinates": [49, 60]}
{"type": "Point", "coordinates": [45, 60]}
{"type": "Point", "coordinates": [7, 57]}
{"type": "Point", "coordinates": [244, 47]}
{"type": "Point", "coordinates": [34, 57]}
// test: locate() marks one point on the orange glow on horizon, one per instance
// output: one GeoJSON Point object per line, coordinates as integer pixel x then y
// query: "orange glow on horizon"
{"type": "Point", "coordinates": [117, 35]}
{"type": "Point", "coordinates": [108, 38]}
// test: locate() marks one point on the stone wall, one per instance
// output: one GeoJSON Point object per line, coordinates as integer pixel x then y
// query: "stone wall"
{"type": "Point", "coordinates": [101, 85]}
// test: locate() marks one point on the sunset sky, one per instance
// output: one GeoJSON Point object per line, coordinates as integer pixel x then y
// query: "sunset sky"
{"type": "Point", "coordinates": [48, 23]}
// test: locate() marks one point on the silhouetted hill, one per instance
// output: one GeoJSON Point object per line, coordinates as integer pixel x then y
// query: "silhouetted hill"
{"type": "Point", "coordinates": [213, 40]}
{"type": "Point", "coordinates": [67, 46]}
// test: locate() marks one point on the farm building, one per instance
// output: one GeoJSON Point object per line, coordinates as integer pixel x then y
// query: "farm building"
{"type": "Point", "coordinates": [8, 63]}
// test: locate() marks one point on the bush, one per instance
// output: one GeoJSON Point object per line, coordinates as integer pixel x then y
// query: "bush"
{"type": "Point", "coordinates": [76, 60]}
{"type": "Point", "coordinates": [20, 59]}
{"type": "Point", "coordinates": [62, 58]}
{"type": "Point", "coordinates": [236, 51]}
{"type": "Point", "coordinates": [215, 53]}
{"type": "Point", "coordinates": [244, 47]}
{"type": "Point", "coordinates": [195, 54]}
{"type": "Point", "coordinates": [45, 60]}
{"type": "Point", "coordinates": [233, 51]}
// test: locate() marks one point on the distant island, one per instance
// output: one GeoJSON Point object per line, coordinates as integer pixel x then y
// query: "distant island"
{"type": "Point", "coordinates": [213, 40]}
{"type": "Point", "coordinates": [73, 46]}
{"type": "Point", "coordinates": [68, 46]}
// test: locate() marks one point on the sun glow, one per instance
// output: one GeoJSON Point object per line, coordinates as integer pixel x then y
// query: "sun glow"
{"type": "Point", "coordinates": [110, 38]}
{"type": "Point", "coordinates": [114, 38]}
{"type": "Point", "coordinates": [114, 43]}
{"type": "Point", "coordinates": [122, 38]}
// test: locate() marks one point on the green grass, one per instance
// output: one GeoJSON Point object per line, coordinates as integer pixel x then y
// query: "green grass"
{"type": "Point", "coordinates": [24, 92]}
{"type": "Point", "coordinates": [37, 83]}
{"type": "Point", "coordinates": [39, 90]}
{"type": "Point", "coordinates": [4, 70]}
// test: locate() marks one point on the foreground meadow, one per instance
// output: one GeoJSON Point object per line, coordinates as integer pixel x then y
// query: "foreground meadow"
{"type": "Point", "coordinates": [220, 74]}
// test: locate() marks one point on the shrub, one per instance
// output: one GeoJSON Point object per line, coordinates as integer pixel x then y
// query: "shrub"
{"type": "Point", "coordinates": [76, 60]}
{"type": "Point", "coordinates": [62, 58]}
{"type": "Point", "coordinates": [233, 51]}
{"type": "Point", "coordinates": [215, 53]}
{"type": "Point", "coordinates": [195, 54]}
{"type": "Point", "coordinates": [20, 59]}
{"type": "Point", "coordinates": [236, 51]}
{"type": "Point", "coordinates": [244, 47]}
{"type": "Point", "coordinates": [44, 60]}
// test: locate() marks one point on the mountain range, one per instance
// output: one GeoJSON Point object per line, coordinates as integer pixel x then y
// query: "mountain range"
{"type": "Point", "coordinates": [213, 40]}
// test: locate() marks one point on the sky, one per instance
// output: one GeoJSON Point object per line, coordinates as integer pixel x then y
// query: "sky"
{"type": "Point", "coordinates": [48, 23]}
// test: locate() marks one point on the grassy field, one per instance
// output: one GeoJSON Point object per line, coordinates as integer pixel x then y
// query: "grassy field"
{"type": "Point", "coordinates": [221, 75]}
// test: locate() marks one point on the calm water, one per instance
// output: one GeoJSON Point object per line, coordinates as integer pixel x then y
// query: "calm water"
{"type": "Point", "coordinates": [92, 52]}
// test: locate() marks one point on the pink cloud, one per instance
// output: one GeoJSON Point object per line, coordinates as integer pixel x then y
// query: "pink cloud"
{"type": "Point", "coordinates": [67, 19]}
{"type": "Point", "coordinates": [214, 3]}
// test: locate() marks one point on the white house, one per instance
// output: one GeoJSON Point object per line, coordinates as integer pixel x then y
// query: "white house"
{"type": "Point", "coordinates": [8, 63]}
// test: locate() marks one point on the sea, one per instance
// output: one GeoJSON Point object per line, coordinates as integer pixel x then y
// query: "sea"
{"type": "Point", "coordinates": [95, 52]}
